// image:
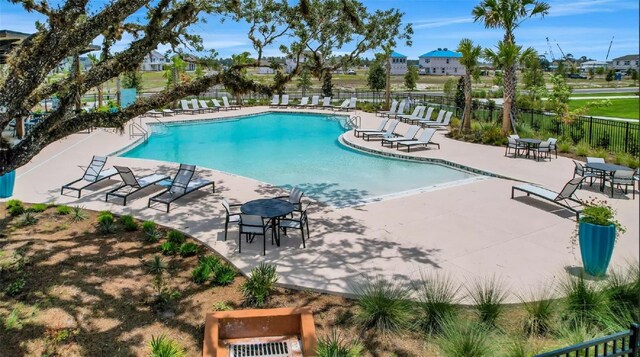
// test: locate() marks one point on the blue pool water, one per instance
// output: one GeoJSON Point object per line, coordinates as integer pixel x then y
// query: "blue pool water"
{"type": "Point", "coordinates": [290, 149]}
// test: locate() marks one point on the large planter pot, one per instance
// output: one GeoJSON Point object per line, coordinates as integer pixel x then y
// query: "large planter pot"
{"type": "Point", "coordinates": [596, 247]}
{"type": "Point", "coordinates": [6, 184]}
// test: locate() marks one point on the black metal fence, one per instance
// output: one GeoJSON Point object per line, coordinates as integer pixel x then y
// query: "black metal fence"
{"type": "Point", "coordinates": [621, 344]}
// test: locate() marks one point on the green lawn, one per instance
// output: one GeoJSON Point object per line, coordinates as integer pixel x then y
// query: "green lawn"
{"type": "Point", "coordinates": [619, 108]}
{"type": "Point", "coordinates": [577, 95]}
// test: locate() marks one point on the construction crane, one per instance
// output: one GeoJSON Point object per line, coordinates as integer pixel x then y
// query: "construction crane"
{"type": "Point", "coordinates": [561, 51]}
{"type": "Point", "coordinates": [609, 50]}
{"type": "Point", "coordinates": [553, 58]}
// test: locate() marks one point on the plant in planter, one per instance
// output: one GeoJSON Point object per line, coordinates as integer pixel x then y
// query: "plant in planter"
{"type": "Point", "coordinates": [597, 232]}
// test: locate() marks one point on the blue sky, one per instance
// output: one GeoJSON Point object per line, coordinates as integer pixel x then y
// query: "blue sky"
{"type": "Point", "coordinates": [580, 27]}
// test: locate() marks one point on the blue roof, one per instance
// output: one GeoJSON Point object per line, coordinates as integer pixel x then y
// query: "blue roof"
{"type": "Point", "coordinates": [442, 53]}
{"type": "Point", "coordinates": [397, 55]}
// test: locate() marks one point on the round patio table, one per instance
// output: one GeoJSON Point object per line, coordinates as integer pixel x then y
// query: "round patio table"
{"type": "Point", "coordinates": [530, 143]}
{"type": "Point", "coordinates": [605, 169]}
{"type": "Point", "coordinates": [271, 208]}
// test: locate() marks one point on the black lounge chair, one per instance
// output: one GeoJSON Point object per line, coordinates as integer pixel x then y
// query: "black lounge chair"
{"type": "Point", "coordinates": [132, 184]}
{"type": "Point", "coordinates": [183, 184]}
{"type": "Point", "coordinates": [93, 174]}
{"type": "Point", "coordinates": [566, 198]}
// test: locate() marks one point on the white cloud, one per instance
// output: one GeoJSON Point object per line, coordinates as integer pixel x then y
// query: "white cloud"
{"type": "Point", "coordinates": [566, 8]}
{"type": "Point", "coordinates": [220, 44]}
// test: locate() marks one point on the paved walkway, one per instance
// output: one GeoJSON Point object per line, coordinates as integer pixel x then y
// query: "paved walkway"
{"type": "Point", "coordinates": [472, 231]}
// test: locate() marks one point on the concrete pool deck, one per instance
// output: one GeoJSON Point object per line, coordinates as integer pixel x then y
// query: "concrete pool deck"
{"type": "Point", "coordinates": [471, 231]}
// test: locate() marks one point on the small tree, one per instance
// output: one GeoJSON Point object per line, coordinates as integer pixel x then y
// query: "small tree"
{"type": "Point", "coordinates": [411, 78]}
{"type": "Point", "coordinates": [634, 75]}
{"type": "Point", "coordinates": [327, 86]}
{"type": "Point", "coordinates": [304, 81]}
{"type": "Point", "coordinates": [559, 98]}
{"type": "Point", "coordinates": [600, 71]}
{"type": "Point", "coordinates": [611, 75]}
{"type": "Point", "coordinates": [448, 87]}
{"type": "Point", "coordinates": [376, 78]}
{"type": "Point", "coordinates": [132, 79]}
{"type": "Point", "coordinates": [592, 73]}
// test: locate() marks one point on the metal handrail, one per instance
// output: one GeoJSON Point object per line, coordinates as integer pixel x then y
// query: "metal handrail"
{"type": "Point", "coordinates": [132, 131]}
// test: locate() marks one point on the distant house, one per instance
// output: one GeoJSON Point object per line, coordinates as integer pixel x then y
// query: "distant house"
{"type": "Point", "coordinates": [265, 68]}
{"type": "Point", "coordinates": [290, 63]}
{"type": "Point", "coordinates": [192, 62]}
{"type": "Point", "coordinates": [626, 62]}
{"type": "Point", "coordinates": [154, 61]}
{"type": "Point", "coordinates": [586, 66]}
{"type": "Point", "coordinates": [441, 62]}
{"type": "Point", "coordinates": [398, 63]}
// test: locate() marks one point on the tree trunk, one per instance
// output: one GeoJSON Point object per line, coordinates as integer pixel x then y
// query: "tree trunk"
{"type": "Point", "coordinates": [387, 88]}
{"type": "Point", "coordinates": [467, 102]}
{"type": "Point", "coordinates": [99, 96]}
{"type": "Point", "coordinates": [509, 98]}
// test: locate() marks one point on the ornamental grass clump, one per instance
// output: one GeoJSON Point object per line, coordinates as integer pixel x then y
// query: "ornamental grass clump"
{"type": "Point", "coordinates": [27, 219]}
{"type": "Point", "coordinates": [437, 298]}
{"type": "Point", "coordinates": [106, 222]}
{"type": "Point", "coordinates": [488, 296]}
{"type": "Point", "coordinates": [128, 223]}
{"type": "Point", "coordinates": [335, 345]}
{"type": "Point", "coordinates": [583, 301]}
{"type": "Point", "coordinates": [63, 210]}
{"type": "Point", "coordinates": [383, 305]}
{"type": "Point", "coordinates": [540, 308]}
{"type": "Point", "coordinates": [14, 207]}
{"type": "Point", "coordinates": [38, 207]}
{"type": "Point", "coordinates": [464, 338]}
{"type": "Point", "coordinates": [151, 231]}
{"type": "Point", "coordinates": [162, 346]}
{"type": "Point", "coordinates": [176, 237]}
{"type": "Point", "coordinates": [78, 214]}
{"type": "Point", "coordinates": [188, 249]}
{"type": "Point", "coordinates": [260, 285]}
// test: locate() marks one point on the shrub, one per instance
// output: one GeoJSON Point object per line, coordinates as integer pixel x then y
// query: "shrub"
{"type": "Point", "coordinates": [79, 214]}
{"type": "Point", "coordinates": [257, 289]}
{"type": "Point", "coordinates": [63, 210]}
{"type": "Point", "coordinates": [106, 222]}
{"type": "Point", "coordinates": [201, 273]}
{"type": "Point", "coordinates": [38, 207]}
{"type": "Point", "coordinates": [224, 274]}
{"type": "Point", "coordinates": [488, 296]}
{"type": "Point", "coordinates": [599, 152]}
{"type": "Point", "coordinates": [188, 249]}
{"type": "Point", "coordinates": [150, 229]}
{"type": "Point", "coordinates": [212, 261]}
{"type": "Point", "coordinates": [540, 308]}
{"type": "Point", "coordinates": [14, 207]}
{"type": "Point", "coordinates": [129, 223]}
{"type": "Point", "coordinates": [564, 146]}
{"type": "Point", "coordinates": [157, 265]}
{"type": "Point", "coordinates": [583, 301]}
{"type": "Point", "coordinates": [335, 346]}
{"type": "Point", "coordinates": [465, 338]}
{"type": "Point", "coordinates": [383, 305]}
{"type": "Point", "coordinates": [176, 237]}
{"type": "Point", "coordinates": [519, 347]}
{"type": "Point", "coordinates": [437, 296]}
{"type": "Point", "coordinates": [27, 219]}
{"type": "Point", "coordinates": [16, 287]}
{"type": "Point", "coordinates": [169, 248]}
{"type": "Point", "coordinates": [163, 347]}
{"type": "Point", "coordinates": [582, 149]}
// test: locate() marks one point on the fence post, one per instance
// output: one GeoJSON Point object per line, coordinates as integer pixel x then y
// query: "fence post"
{"type": "Point", "coordinates": [626, 138]}
{"type": "Point", "coordinates": [590, 131]}
{"type": "Point", "coordinates": [634, 341]}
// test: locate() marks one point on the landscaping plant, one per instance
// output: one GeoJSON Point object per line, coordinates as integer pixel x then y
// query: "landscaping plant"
{"type": "Point", "coordinates": [383, 305]}
{"type": "Point", "coordinates": [169, 248]}
{"type": "Point", "coordinates": [38, 207]}
{"type": "Point", "coordinates": [540, 308]}
{"type": "Point", "coordinates": [188, 249]}
{"type": "Point", "coordinates": [129, 223]}
{"type": "Point", "coordinates": [14, 207]}
{"type": "Point", "coordinates": [224, 274]}
{"type": "Point", "coordinates": [259, 286]}
{"type": "Point", "coordinates": [488, 296]}
{"type": "Point", "coordinates": [27, 219]}
{"type": "Point", "coordinates": [176, 237]}
{"type": "Point", "coordinates": [79, 214]}
{"type": "Point", "coordinates": [157, 265]}
{"type": "Point", "coordinates": [16, 287]}
{"type": "Point", "coordinates": [465, 338]}
{"type": "Point", "coordinates": [150, 229]}
{"type": "Point", "coordinates": [335, 346]}
{"type": "Point", "coordinates": [106, 222]}
{"type": "Point", "coordinates": [63, 210]}
{"type": "Point", "coordinates": [162, 346]}
{"type": "Point", "coordinates": [583, 301]}
{"type": "Point", "coordinates": [437, 298]}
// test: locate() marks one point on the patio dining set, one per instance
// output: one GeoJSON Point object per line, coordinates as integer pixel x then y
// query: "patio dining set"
{"type": "Point", "coordinates": [528, 147]}
{"type": "Point", "coordinates": [596, 170]}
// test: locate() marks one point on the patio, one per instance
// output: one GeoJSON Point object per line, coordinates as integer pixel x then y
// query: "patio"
{"type": "Point", "coordinates": [469, 231]}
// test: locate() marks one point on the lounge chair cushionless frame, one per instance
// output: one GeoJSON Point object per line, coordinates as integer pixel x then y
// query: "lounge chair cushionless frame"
{"type": "Point", "coordinates": [132, 184]}
{"type": "Point", "coordinates": [565, 198]}
{"type": "Point", "coordinates": [93, 174]}
{"type": "Point", "coordinates": [183, 184]}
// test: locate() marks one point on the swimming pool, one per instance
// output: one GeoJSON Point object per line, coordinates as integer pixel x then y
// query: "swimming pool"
{"type": "Point", "coordinates": [293, 149]}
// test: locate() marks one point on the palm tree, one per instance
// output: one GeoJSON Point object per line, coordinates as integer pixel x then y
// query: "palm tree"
{"type": "Point", "coordinates": [508, 15]}
{"type": "Point", "coordinates": [470, 57]}
{"type": "Point", "coordinates": [507, 57]}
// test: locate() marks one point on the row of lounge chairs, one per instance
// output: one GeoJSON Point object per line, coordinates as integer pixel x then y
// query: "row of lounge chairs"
{"type": "Point", "coordinates": [388, 135]}
{"type": "Point", "coordinates": [182, 184]}
{"type": "Point", "coordinates": [195, 106]}
{"type": "Point", "coordinates": [421, 115]}
{"type": "Point", "coordinates": [347, 104]}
